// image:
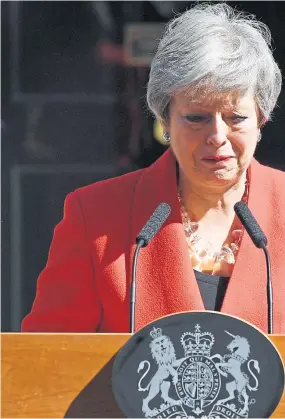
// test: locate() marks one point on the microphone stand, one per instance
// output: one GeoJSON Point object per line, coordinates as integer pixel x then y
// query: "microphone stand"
{"type": "Point", "coordinates": [269, 291]}
{"type": "Point", "coordinates": [140, 244]}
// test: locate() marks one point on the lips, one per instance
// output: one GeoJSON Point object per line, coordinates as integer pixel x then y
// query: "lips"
{"type": "Point", "coordinates": [217, 158]}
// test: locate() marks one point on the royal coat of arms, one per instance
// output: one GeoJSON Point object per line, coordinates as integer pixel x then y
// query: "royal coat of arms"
{"type": "Point", "coordinates": [194, 385]}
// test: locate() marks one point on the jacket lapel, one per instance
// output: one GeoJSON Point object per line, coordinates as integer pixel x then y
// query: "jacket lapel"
{"type": "Point", "coordinates": [165, 279]}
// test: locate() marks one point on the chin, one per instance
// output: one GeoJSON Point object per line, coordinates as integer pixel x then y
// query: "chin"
{"type": "Point", "coordinates": [223, 176]}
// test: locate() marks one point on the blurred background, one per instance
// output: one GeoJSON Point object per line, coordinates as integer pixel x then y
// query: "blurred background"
{"type": "Point", "coordinates": [74, 77]}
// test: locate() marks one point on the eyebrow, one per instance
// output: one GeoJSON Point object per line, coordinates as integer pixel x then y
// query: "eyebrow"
{"type": "Point", "coordinates": [235, 109]}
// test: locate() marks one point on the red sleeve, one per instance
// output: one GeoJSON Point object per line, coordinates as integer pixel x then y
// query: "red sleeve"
{"type": "Point", "coordinates": [66, 298]}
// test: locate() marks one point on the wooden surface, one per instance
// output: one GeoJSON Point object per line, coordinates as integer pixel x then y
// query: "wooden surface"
{"type": "Point", "coordinates": [67, 375]}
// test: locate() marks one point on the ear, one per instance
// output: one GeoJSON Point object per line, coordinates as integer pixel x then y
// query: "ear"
{"type": "Point", "coordinates": [262, 121]}
{"type": "Point", "coordinates": [260, 124]}
{"type": "Point", "coordinates": [165, 126]}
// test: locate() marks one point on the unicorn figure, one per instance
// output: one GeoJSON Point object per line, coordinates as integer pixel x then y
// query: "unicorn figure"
{"type": "Point", "coordinates": [231, 364]}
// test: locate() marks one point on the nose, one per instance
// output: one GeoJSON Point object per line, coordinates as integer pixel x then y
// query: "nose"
{"type": "Point", "coordinates": [219, 132]}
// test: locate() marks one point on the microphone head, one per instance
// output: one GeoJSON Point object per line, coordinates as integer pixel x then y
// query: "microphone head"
{"type": "Point", "coordinates": [154, 224]}
{"type": "Point", "coordinates": [250, 224]}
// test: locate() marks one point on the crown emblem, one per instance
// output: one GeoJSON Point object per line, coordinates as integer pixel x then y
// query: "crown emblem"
{"type": "Point", "coordinates": [155, 333]}
{"type": "Point", "coordinates": [198, 343]}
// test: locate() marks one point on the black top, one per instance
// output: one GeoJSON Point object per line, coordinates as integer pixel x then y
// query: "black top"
{"type": "Point", "coordinates": [212, 289]}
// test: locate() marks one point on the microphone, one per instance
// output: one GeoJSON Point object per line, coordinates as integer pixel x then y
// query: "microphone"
{"type": "Point", "coordinates": [146, 234]}
{"type": "Point", "coordinates": [259, 239]}
{"type": "Point", "coordinates": [250, 224]}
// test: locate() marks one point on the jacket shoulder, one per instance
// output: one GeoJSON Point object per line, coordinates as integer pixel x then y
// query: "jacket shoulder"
{"type": "Point", "coordinates": [275, 173]}
{"type": "Point", "coordinates": [116, 191]}
{"type": "Point", "coordinates": [275, 176]}
{"type": "Point", "coordinates": [273, 181]}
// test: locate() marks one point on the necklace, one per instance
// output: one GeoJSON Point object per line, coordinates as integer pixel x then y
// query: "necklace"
{"type": "Point", "coordinates": [200, 252]}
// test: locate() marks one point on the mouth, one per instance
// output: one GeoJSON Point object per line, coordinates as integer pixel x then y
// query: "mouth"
{"type": "Point", "coordinates": [217, 158]}
{"type": "Point", "coordinates": [216, 162]}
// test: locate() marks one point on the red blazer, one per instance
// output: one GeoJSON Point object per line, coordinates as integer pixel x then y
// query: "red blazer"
{"type": "Point", "coordinates": [85, 284]}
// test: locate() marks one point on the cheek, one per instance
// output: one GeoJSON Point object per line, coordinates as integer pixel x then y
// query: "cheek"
{"type": "Point", "coordinates": [184, 150]}
{"type": "Point", "coordinates": [244, 143]}
{"type": "Point", "coordinates": [184, 141]}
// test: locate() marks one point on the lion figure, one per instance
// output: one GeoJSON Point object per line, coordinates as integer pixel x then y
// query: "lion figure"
{"type": "Point", "coordinates": [163, 353]}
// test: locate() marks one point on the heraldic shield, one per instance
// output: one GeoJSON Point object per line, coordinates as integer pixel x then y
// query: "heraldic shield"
{"type": "Point", "coordinates": [198, 365]}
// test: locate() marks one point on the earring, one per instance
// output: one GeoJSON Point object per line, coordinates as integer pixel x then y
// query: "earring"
{"type": "Point", "coordinates": [166, 138]}
{"type": "Point", "coordinates": [259, 136]}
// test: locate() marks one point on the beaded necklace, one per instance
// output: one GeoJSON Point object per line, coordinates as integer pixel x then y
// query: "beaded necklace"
{"type": "Point", "coordinates": [201, 254]}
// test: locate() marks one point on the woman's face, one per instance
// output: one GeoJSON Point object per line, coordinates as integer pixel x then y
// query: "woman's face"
{"type": "Point", "coordinates": [213, 143]}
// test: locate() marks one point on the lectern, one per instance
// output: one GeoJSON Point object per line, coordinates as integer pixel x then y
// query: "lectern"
{"type": "Point", "coordinates": [67, 375]}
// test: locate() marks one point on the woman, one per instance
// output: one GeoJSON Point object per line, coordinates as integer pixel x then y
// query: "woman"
{"type": "Point", "coordinates": [213, 84]}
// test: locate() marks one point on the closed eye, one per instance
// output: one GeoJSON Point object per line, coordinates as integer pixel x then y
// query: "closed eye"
{"type": "Point", "coordinates": [238, 118]}
{"type": "Point", "coordinates": [196, 118]}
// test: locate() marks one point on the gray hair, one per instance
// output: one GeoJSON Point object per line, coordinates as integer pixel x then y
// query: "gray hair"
{"type": "Point", "coordinates": [212, 49]}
